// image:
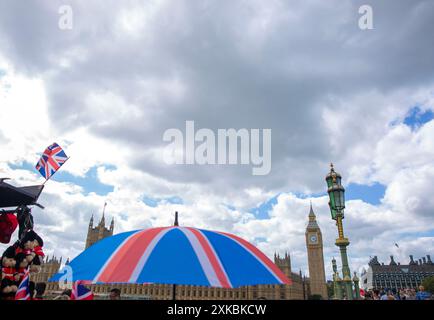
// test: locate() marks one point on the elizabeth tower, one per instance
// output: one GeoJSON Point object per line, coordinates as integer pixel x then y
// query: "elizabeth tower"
{"type": "Point", "coordinates": [315, 257]}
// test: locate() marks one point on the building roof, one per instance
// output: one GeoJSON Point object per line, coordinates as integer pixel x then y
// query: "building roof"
{"type": "Point", "coordinates": [412, 266]}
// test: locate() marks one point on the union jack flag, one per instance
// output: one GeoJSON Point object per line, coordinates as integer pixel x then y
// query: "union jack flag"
{"type": "Point", "coordinates": [23, 292]}
{"type": "Point", "coordinates": [51, 161]}
{"type": "Point", "coordinates": [80, 292]}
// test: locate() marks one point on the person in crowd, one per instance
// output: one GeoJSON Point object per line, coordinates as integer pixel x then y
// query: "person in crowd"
{"type": "Point", "coordinates": [369, 295]}
{"type": "Point", "coordinates": [412, 294]}
{"type": "Point", "coordinates": [31, 289]}
{"type": "Point", "coordinates": [115, 294]}
{"type": "Point", "coordinates": [390, 295]}
{"type": "Point", "coordinates": [40, 291]}
{"type": "Point", "coordinates": [395, 294]}
{"type": "Point", "coordinates": [422, 294]}
{"type": "Point", "coordinates": [401, 294]}
{"type": "Point", "coordinates": [376, 294]}
{"type": "Point", "coordinates": [66, 295]}
{"type": "Point", "coordinates": [404, 294]}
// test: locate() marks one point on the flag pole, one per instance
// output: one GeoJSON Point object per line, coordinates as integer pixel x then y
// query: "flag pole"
{"type": "Point", "coordinates": [176, 224]}
{"type": "Point", "coordinates": [55, 172]}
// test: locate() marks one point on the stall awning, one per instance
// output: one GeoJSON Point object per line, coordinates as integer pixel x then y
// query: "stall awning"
{"type": "Point", "coordinates": [11, 196]}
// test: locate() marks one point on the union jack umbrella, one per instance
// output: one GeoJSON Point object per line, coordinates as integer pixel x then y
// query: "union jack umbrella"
{"type": "Point", "coordinates": [51, 161]}
{"type": "Point", "coordinates": [175, 255]}
{"type": "Point", "coordinates": [80, 292]}
{"type": "Point", "coordinates": [23, 292]}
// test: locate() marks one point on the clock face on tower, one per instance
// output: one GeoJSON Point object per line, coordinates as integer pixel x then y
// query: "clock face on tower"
{"type": "Point", "coordinates": [313, 238]}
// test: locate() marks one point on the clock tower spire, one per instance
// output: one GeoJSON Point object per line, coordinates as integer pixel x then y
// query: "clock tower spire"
{"type": "Point", "coordinates": [315, 257]}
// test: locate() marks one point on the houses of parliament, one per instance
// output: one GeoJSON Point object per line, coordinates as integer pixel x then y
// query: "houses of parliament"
{"type": "Point", "coordinates": [301, 287]}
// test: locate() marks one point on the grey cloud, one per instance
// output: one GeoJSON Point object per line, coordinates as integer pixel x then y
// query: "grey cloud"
{"type": "Point", "coordinates": [242, 66]}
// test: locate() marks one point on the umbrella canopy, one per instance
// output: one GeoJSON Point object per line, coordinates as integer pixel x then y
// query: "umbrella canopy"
{"type": "Point", "coordinates": [175, 255]}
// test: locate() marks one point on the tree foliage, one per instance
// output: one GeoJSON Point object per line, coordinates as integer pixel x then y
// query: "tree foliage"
{"type": "Point", "coordinates": [428, 284]}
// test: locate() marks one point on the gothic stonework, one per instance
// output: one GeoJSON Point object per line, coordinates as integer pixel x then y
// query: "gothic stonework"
{"type": "Point", "coordinates": [314, 244]}
{"type": "Point", "coordinates": [49, 267]}
{"type": "Point", "coordinates": [99, 232]}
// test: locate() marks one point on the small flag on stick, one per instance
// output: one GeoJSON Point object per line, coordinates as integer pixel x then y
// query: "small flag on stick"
{"type": "Point", "coordinates": [51, 161]}
{"type": "Point", "coordinates": [23, 292]}
{"type": "Point", "coordinates": [80, 292]}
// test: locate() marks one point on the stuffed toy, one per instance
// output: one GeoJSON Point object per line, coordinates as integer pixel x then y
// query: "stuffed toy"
{"type": "Point", "coordinates": [31, 245]}
{"type": "Point", "coordinates": [26, 245]}
{"type": "Point", "coordinates": [38, 244]}
{"type": "Point", "coordinates": [8, 284]}
{"type": "Point", "coordinates": [21, 266]}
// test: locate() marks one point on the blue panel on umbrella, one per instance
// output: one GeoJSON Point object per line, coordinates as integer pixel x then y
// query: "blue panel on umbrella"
{"type": "Point", "coordinates": [236, 260]}
{"type": "Point", "coordinates": [88, 263]}
{"type": "Point", "coordinates": [173, 261]}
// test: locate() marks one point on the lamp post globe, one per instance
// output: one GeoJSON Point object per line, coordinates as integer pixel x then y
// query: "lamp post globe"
{"type": "Point", "coordinates": [336, 192]}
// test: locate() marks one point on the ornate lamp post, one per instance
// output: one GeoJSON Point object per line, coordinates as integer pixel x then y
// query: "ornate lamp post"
{"type": "Point", "coordinates": [337, 205]}
{"type": "Point", "coordinates": [356, 286]}
{"type": "Point", "coordinates": [337, 285]}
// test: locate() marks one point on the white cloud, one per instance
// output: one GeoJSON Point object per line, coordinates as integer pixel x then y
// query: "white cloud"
{"type": "Point", "coordinates": [107, 90]}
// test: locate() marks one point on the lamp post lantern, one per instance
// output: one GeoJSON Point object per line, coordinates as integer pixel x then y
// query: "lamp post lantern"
{"type": "Point", "coordinates": [337, 205]}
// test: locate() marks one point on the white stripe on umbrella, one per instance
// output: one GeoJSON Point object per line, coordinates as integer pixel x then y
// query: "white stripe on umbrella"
{"type": "Point", "coordinates": [144, 258]}
{"type": "Point", "coordinates": [95, 280]}
{"type": "Point", "coordinates": [217, 258]}
{"type": "Point", "coordinates": [203, 258]}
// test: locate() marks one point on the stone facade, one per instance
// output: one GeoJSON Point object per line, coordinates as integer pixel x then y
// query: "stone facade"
{"type": "Point", "coordinates": [396, 275]}
{"type": "Point", "coordinates": [49, 267]}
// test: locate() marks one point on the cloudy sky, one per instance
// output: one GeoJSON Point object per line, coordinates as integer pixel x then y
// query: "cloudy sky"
{"type": "Point", "coordinates": [107, 90]}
